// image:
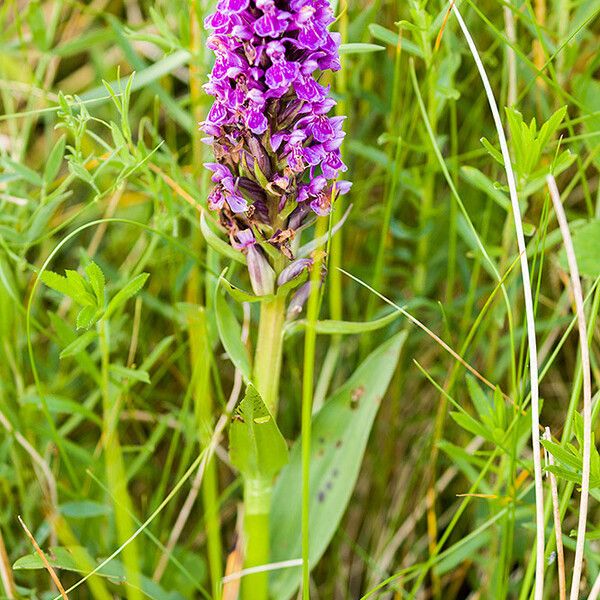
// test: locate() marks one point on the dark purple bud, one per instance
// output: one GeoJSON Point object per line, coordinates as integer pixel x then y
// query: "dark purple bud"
{"type": "Point", "coordinates": [299, 300]}
{"type": "Point", "coordinates": [293, 270]}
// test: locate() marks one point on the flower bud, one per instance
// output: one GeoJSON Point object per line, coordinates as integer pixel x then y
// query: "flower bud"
{"type": "Point", "coordinates": [262, 276]}
{"type": "Point", "coordinates": [294, 270]}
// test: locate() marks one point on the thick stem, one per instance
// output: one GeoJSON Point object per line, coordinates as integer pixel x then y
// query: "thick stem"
{"type": "Point", "coordinates": [257, 492]}
{"type": "Point", "coordinates": [257, 504]}
{"type": "Point", "coordinates": [267, 360]}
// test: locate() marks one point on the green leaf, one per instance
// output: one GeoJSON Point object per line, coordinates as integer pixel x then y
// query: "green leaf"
{"type": "Point", "coordinates": [483, 183]}
{"type": "Point", "coordinates": [230, 333]}
{"type": "Point", "coordinates": [87, 317]}
{"type": "Point", "coordinates": [84, 509]}
{"type": "Point", "coordinates": [54, 160]}
{"type": "Point", "coordinates": [256, 447]}
{"type": "Point", "coordinates": [76, 559]}
{"type": "Point", "coordinates": [219, 245]}
{"type": "Point", "coordinates": [79, 344]}
{"type": "Point", "coordinates": [495, 154]}
{"type": "Point", "coordinates": [330, 327]}
{"type": "Point", "coordinates": [468, 423]}
{"type": "Point", "coordinates": [97, 281]}
{"type": "Point", "coordinates": [240, 295]}
{"type": "Point", "coordinates": [24, 172]}
{"type": "Point", "coordinates": [340, 433]}
{"type": "Point", "coordinates": [562, 455]}
{"type": "Point", "coordinates": [127, 373]}
{"type": "Point", "coordinates": [73, 286]}
{"type": "Point", "coordinates": [360, 48]}
{"type": "Point", "coordinates": [38, 25]}
{"type": "Point", "coordinates": [392, 38]}
{"type": "Point", "coordinates": [586, 243]}
{"type": "Point", "coordinates": [128, 291]}
{"type": "Point", "coordinates": [82, 173]}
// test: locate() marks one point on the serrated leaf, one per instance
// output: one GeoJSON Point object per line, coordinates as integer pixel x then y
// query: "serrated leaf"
{"type": "Point", "coordinates": [97, 281]}
{"type": "Point", "coordinates": [256, 447]}
{"type": "Point", "coordinates": [83, 295]}
{"type": "Point", "coordinates": [87, 317]}
{"type": "Point", "coordinates": [129, 290]}
{"type": "Point", "coordinates": [79, 344]}
{"type": "Point", "coordinates": [72, 286]}
{"type": "Point", "coordinates": [339, 436]}
{"type": "Point", "coordinates": [84, 509]}
{"type": "Point", "coordinates": [54, 160]}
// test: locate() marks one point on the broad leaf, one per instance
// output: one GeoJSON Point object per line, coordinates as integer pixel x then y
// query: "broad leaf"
{"type": "Point", "coordinates": [340, 433]}
{"type": "Point", "coordinates": [256, 447]}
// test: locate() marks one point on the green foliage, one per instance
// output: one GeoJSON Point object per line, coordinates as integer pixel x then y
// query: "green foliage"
{"type": "Point", "coordinates": [339, 436]}
{"type": "Point", "coordinates": [256, 447]}
{"type": "Point", "coordinates": [101, 165]}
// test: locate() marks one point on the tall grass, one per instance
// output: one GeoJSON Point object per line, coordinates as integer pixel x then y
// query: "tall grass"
{"type": "Point", "coordinates": [117, 392]}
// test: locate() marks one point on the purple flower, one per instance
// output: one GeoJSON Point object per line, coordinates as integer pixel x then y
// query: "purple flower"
{"type": "Point", "coordinates": [277, 150]}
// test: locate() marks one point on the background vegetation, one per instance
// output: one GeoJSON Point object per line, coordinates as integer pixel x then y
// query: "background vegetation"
{"type": "Point", "coordinates": [97, 164]}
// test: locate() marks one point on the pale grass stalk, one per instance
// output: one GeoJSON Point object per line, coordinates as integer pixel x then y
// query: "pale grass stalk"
{"type": "Point", "coordinates": [426, 329]}
{"type": "Point", "coordinates": [560, 553]}
{"type": "Point", "coordinates": [511, 34]}
{"type": "Point", "coordinates": [43, 558]}
{"type": "Point", "coordinates": [284, 564]}
{"type": "Point", "coordinates": [529, 312]}
{"type": "Point", "coordinates": [587, 382]}
{"type": "Point", "coordinates": [6, 572]}
{"type": "Point", "coordinates": [595, 590]}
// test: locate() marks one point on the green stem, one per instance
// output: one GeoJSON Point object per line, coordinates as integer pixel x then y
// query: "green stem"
{"type": "Point", "coordinates": [310, 339]}
{"type": "Point", "coordinates": [267, 360]}
{"type": "Point", "coordinates": [257, 492]}
{"type": "Point", "coordinates": [257, 505]}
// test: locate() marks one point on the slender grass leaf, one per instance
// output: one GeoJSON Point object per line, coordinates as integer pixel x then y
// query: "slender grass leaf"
{"type": "Point", "coordinates": [54, 160]}
{"type": "Point", "coordinates": [329, 327]}
{"type": "Point", "coordinates": [219, 245]}
{"type": "Point", "coordinates": [230, 333]}
{"type": "Point", "coordinates": [360, 48]}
